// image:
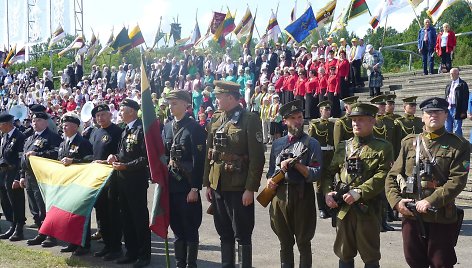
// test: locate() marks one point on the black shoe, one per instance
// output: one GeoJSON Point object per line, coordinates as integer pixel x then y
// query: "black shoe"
{"type": "Point", "coordinates": [49, 242]}
{"type": "Point", "coordinates": [80, 251]}
{"type": "Point", "coordinates": [386, 228]}
{"type": "Point", "coordinates": [96, 236]}
{"type": "Point", "coordinates": [126, 260]}
{"type": "Point", "coordinates": [8, 233]}
{"type": "Point", "coordinates": [141, 263]}
{"type": "Point", "coordinates": [69, 248]}
{"type": "Point", "coordinates": [101, 253]}
{"type": "Point", "coordinates": [37, 240]}
{"type": "Point", "coordinates": [112, 255]}
{"type": "Point", "coordinates": [17, 236]}
{"type": "Point", "coordinates": [324, 214]}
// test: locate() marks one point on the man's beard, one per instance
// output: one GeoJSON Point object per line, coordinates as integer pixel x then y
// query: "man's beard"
{"type": "Point", "coordinates": [294, 131]}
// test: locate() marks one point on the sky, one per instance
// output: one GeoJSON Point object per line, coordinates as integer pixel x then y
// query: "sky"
{"type": "Point", "coordinates": [104, 15]}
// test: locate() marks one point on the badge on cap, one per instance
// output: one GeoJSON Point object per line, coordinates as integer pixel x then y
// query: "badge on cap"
{"type": "Point", "coordinates": [435, 102]}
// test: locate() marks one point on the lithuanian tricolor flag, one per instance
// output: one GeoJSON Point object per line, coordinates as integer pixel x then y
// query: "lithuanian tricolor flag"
{"type": "Point", "coordinates": [157, 162]}
{"type": "Point", "coordinates": [69, 193]}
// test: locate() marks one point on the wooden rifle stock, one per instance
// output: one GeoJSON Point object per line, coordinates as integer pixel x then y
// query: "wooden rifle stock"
{"type": "Point", "coordinates": [266, 196]}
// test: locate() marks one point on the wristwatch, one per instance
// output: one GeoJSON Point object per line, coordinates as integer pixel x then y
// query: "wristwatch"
{"type": "Point", "coordinates": [194, 189]}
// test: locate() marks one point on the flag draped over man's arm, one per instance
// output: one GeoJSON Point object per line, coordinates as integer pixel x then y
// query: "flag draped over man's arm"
{"type": "Point", "coordinates": [157, 162]}
{"type": "Point", "coordinates": [69, 193]}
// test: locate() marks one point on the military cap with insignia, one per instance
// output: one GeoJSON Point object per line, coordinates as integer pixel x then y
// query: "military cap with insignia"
{"type": "Point", "coordinates": [291, 107]}
{"type": "Point", "coordinates": [5, 117]}
{"type": "Point", "coordinates": [131, 104]}
{"type": "Point", "coordinates": [379, 100]}
{"type": "Point", "coordinates": [325, 103]}
{"type": "Point", "coordinates": [179, 95]}
{"type": "Point", "coordinates": [37, 108]}
{"type": "Point", "coordinates": [350, 100]}
{"type": "Point", "coordinates": [226, 87]}
{"type": "Point", "coordinates": [390, 98]}
{"type": "Point", "coordinates": [99, 108]}
{"type": "Point", "coordinates": [434, 104]}
{"type": "Point", "coordinates": [409, 100]}
{"type": "Point", "coordinates": [360, 109]}
{"type": "Point", "coordinates": [41, 115]}
{"type": "Point", "coordinates": [71, 117]}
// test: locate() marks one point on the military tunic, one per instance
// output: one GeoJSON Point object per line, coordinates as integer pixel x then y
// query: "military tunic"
{"type": "Point", "coordinates": [342, 130]}
{"type": "Point", "coordinates": [392, 116]}
{"type": "Point", "coordinates": [358, 224]}
{"type": "Point", "coordinates": [384, 128]}
{"type": "Point", "coordinates": [322, 130]}
{"type": "Point", "coordinates": [452, 155]}
{"type": "Point", "coordinates": [293, 210]}
{"type": "Point", "coordinates": [405, 125]}
{"type": "Point", "coordinates": [234, 164]}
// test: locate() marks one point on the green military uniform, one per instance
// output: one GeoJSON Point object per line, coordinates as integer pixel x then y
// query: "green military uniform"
{"type": "Point", "coordinates": [405, 125]}
{"type": "Point", "coordinates": [293, 210]}
{"type": "Point", "coordinates": [234, 163]}
{"type": "Point", "coordinates": [358, 224]}
{"type": "Point", "coordinates": [384, 127]}
{"type": "Point", "coordinates": [322, 130]}
{"type": "Point", "coordinates": [390, 98]}
{"type": "Point", "coordinates": [440, 187]}
{"type": "Point", "coordinates": [343, 126]}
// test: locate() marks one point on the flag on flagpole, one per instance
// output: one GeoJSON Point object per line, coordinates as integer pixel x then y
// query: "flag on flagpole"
{"type": "Point", "coordinates": [273, 29]}
{"type": "Point", "coordinates": [326, 13]}
{"type": "Point", "coordinates": [159, 35]}
{"type": "Point", "coordinates": [19, 56]}
{"type": "Point", "coordinates": [384, 9]}
{"type": "Point", "coordinates": [293, 17]}
{"type": "Point", "coordinates": [226, 26]}
{"type": "Point", "coordinates": [251, 31]}
{"type": "Point", "coordinates": [10, 55]}
{"type": "Point", "coordinates": [415, 3]}
{"type": "Point", "coordinates": [78, 43]}
{"type": "Point", "coordinates": [301, 27]}
{"type": "Point", "coordinates": [135, 37]}
{"type": "Point", "coordinates": [438, 7]}
{"type": "Point", "coordinates": [121, 40]}
{"type": "Point", "coordinates": [107, 46]}
{"type": "Point", "coordinates": [92, 46]}
{"type": "Point", "coordinates": [245, 25]}
{"type": "Point", "coordinates": [57, 36]}
{"type": "Point", "coordinates": [341, 21]}
{"type": "Point", "coordinates": [68, 218]}
{"type": "Point", "coordinates": [157, 163]}
{"type": "Point", "coordinates": [193, 39]}
{"type": "Point", "coordinates": [218, 18]}
{"type": "Point", "coordinates": [357, 8]}
{"type": "Point", "coordinates": [175, 31]}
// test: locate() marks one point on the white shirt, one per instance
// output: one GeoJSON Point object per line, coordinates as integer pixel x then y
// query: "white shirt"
{"type": "Point", "coordinates": [11, 132]}
{"type": "Point", "coordinates": [444, 39]}
{"type": "Point", "coordinates": [130, 124]}
{"type": "Point", "coordinates": [360, 50]}
{"type": "Point", "coordinates": [452, 93]}
{"type": "Point", "coordinates": [69, 140]}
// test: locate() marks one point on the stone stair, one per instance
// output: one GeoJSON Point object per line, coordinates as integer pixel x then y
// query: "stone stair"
{"type": "Point", "coordinates": [414, 83]}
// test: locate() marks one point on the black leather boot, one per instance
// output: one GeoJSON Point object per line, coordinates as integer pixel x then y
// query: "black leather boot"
{"type": "Point", "coordinates": [372, 265]}
{"type": "Point", "coordinates": [346, 264]}
{"type": "Point", "coordinates": [8, 233]}
{"type": "Point", "coordinates": [192, 254]}
{"type": "Point", "coordinates": [227, 255]}
{"type": "Point", "coordinates": [245, 256]}
{"type": "Point", "coordinates": [18, 234]}
{"type": "Point", "coordinates": [180, 252]}
{"type": "Point", "coordinates": [37, 240]}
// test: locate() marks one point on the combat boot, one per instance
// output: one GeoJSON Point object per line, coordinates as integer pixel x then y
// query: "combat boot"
{"type": "Point", "coordinates": [346, 264]}
{"type": "Point", "coordinates": [322, 205]}
{"type": "Point", "coordinates": [245, 256]}
{"type": "Point", "coordinates": [192, 254]}
{"type": "Point", "coordinates": [227, 255]}
{"type": "Point", "coordinates": [372, 265]}
{"type": "Point", "coordinates": [18, 234]}
{"type": "Point", "coordinates": [180, 252]}
{"type": "Point", "coordinates": [8, 233]}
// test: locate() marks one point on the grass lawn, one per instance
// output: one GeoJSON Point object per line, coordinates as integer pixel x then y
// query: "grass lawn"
{"type": "Point", "coordinates": [18, 256]}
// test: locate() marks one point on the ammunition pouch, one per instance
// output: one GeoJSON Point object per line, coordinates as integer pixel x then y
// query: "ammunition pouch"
{"type": "Point", "coordinates": [177, 152]}
{"type": "Point", "coordinates": [232, 162]}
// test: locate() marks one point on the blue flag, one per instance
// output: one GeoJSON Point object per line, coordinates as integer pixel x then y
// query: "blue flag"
{"type": "Point", "coordinates": [300, 28]}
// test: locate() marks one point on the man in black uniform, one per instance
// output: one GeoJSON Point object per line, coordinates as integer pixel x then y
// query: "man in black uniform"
{"type": "Point", "coordinates": [10, 152]}
{"type": "Point", "coordinates": [43, 143]}
{"type": "Point", "coordinates": [28, 129]}
{"type": "Point", "coordinates": [105, 141]}
{"type": "Point", "coordinates": [184, 140]}
{"type": "Point", "coordinates": [74, 149]}
{"type": "Point", "coordinates": [131, 166]}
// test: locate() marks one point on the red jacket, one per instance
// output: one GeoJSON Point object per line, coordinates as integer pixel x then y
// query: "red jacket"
{"type": "Point", "coordinates": [322, 83]}
{"type": "Point", "coordinates": [311, 85]}
{"type": "Point", "coordinates": [343, 69]}
{"type": "Point", "coordinates": [328, 64]}
{"type": "Point", "coordinates": [451, 42]}
{"type": "Point", "coordinates": [291, 80]}
{"type": "Point", "coordinates": [279, 83]}
{"type": "Point", "coordinates": [300, 87]}
{"type": "Point", "coordinates": [333, 84]}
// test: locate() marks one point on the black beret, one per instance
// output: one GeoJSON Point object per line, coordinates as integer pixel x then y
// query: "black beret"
{"type": "Point", "coordinates": [37, 108]}
{"type": "Point", "coordinates": [71, 119]}
{"type": "Point", "coordinates": [434, 104]}
{"type": "Point", "coordinates": [5, 117]}
{"type": "Point", "coordinates": [290, 108]}
{"type": "Point", "coordinates": [180, 95]}
{"type": "Point", "coordinates": [130, 103]}
{"type": "Point", "coordinates": [41, 115]}
{"type": "Point", "coordinates": [99, 108]}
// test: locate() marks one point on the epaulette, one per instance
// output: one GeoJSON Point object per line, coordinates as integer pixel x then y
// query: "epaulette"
{"type": "Point", "coordinates": [313, 121]}
{"type": "Point", "coordinates": [410, 136]}
{"type": "Point", "coordinates": [380, 139]}
{"type": "Point", "coordinates": [460, 138]}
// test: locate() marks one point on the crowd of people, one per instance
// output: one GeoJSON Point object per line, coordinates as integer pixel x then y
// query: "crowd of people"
{"type": "Point", "coordinates": [217, 114]}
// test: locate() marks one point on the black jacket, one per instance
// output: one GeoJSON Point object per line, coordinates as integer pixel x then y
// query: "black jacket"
{"type": "Point", "coordinates": [462, 98]}
{"type": "Point", "coordinates": [80, 150]}
{"type": "Point", "coordinates": [10, 152]}
{"type": "Point", "coordinates": [45, 145]}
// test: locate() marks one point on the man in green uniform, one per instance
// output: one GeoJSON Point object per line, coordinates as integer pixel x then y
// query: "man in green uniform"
{"type": "Point", "coordinates": [390, 107]}
{"type": "Point", "coordinates": [362, 164]}
{"type": "Point", "coordinates": [322, 130]}
{"type": "Point", "coordinates": [384, 128]}
{"type": "Point", "coordinates": [293, 209]}
{"type": "Point", "coordinates": [407, 124]}
{"type": "Point", "coordinates": [233, 171]}
{"type": "Point", "coordinates": [430, 172]}
{"type": "Point", "coordinates": [343, 126]}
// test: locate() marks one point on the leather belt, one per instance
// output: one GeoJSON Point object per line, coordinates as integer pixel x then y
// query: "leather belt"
{"type": "Point", "coordinates": [327, 148]}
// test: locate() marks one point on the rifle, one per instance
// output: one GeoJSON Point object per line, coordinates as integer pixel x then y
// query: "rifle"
{"type": "Point", "coordinates": [411, 206]}
{"type": "Point", "coordinates": [338, 198]}
{"type": "Point", "coordinates": [266, 196]}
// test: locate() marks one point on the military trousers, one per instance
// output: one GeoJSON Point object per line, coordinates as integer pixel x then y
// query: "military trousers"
{"type": "Point", "coordinates": [107, 212]}
{"type": "Point", "coordinates": [233, 221]}
{"type": "Point", "coordinates": [14, 199]}
{"type": "Point", "coordinates": [436, 251]}
{"type": "Point", "coordinates": [358, 232]}
{"type": "Point", "coordinates": [185, 218]}
{"type": "Point", "coordinates": [35, 200]}
{"type": "Point", "coordinates": [293, 220]}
